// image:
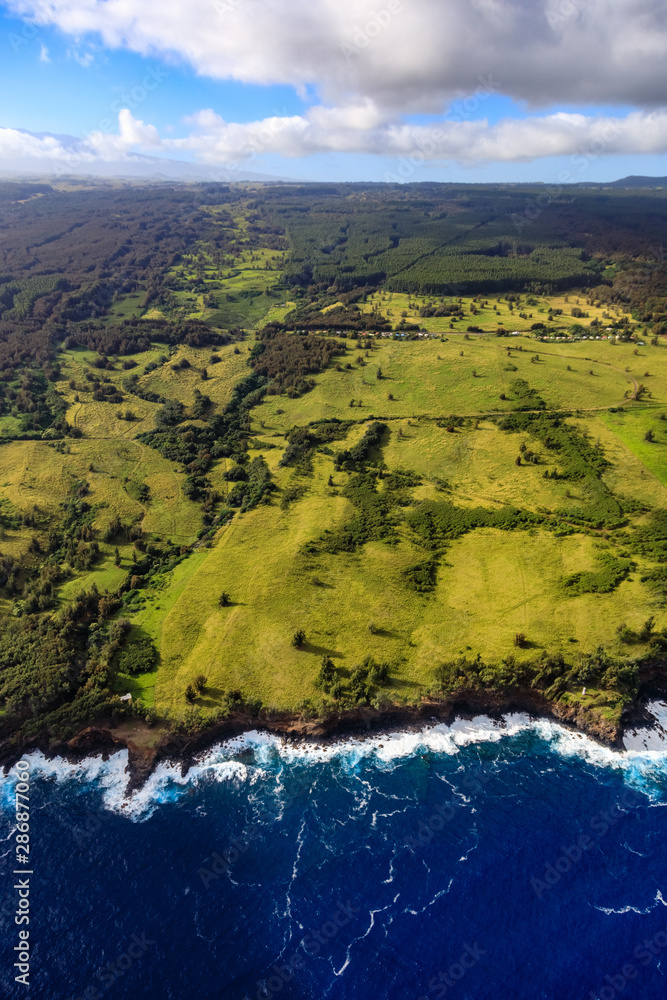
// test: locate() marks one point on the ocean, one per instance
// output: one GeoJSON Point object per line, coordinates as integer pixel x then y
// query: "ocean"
{"type": "Point", "coordinates": [480, 860]}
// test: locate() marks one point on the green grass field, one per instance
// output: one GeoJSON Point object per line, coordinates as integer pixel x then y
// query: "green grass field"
{"type": "Point", "coordinates": [493, 310]}
{"type": "Point", "coordinates": [180, 383]}
{"type": "Point", "coordinates": [478, 501]}
{"type": "Point", "coordinates": [631, 427]}
{"type": "Point", "coordinates": [36, 476]}
{"type": "Point", "coordinates": [491, 584]}
{"type": "Point", "coordinates": [428, 377]}
{"type": "Point", "coordinates": [241, 287]}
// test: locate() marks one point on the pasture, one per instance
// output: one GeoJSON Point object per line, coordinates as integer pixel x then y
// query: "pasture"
{"type": "Point", "coordinates": [468, 377]}
{"type": "Point", "coordinates": [493, 310]}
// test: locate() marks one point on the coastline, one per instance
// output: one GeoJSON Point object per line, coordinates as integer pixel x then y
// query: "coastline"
{"type": "Point", "coordinates": [100, 740]}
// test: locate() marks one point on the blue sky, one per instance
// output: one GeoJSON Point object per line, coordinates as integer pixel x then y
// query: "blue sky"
{"type": "Point", "coordinates": [379, 93]}
{"type": "Point", "coordinates": [61, 95]}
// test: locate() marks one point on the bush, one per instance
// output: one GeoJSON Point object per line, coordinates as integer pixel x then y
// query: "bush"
{"type": "Point", "coordinates": [190, 693]}
{"type": "Point", "coordinates": [138, 657]}
{"type": "Point", "coordinates": [422, 577]}
{"type": "Point", "coordinates": [200, 682]}
{"type": "Point", "coordinates": [299, 638]}
{"type": "Point", "coordinates": [192, 721]}
{"type": "Point", "coordinates": [611, 573]}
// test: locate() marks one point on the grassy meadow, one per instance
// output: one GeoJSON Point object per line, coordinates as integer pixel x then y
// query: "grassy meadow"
{"type": "Point", "coordinates": [488, 312]}
{"type": "Point", "coordinates": [490, 584]}
{"type": "Point", "coordinates": [432, 378]}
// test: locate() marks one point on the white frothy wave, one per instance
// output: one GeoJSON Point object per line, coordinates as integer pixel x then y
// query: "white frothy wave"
{"type": "Point", "coordinates": [642, 766]}
{"type": "Point", "coordinates": [653, 737]}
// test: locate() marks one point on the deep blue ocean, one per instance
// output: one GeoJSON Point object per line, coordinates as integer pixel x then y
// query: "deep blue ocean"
{"type": "Point", "coordinates": [470, 862]}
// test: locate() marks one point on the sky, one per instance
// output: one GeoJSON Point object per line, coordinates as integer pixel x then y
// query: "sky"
{"type": "Point", "coordinates": [557, 91]}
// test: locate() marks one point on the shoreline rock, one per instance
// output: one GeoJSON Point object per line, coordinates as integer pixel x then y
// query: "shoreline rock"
{"type": "Point", "coordinates": [99, 740]}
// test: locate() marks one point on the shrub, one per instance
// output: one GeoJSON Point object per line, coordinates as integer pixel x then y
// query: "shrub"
{"type": "Point", "coordinates": [299, 638]}
{"type": "Point", "coordinates": [646, 630]}
{"type": "Point", "coordinates": [422, 577]}
{"type": "Point", "coordinates": [612, 572]}
{"type": "Point", "coordinates": [200, 682]}
{"type": "Point", "coordinates": [192, 721]}
{"type": "Point", "coordinates": [138, 657]}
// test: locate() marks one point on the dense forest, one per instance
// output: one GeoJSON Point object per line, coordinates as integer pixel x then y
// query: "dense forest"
{"type": "Point", "coordinates": [451, 239]}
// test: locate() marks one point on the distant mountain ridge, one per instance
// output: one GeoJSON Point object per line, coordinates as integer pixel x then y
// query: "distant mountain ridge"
{"type": "Point", "coordinates": [640, 182]}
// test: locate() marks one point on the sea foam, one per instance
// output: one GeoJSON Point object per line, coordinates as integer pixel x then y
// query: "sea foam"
{"type": "Point", "coordinates": [643, 762]}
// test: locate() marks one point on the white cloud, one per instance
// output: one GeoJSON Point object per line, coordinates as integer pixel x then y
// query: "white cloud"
{"type": "Point", "coordinates": [16, 144]}
{"type": "Point", "coordinates": [361, 129]}
{"type": "Point", "coordinates": [44, 54]}
{"type": "Point", "coordinates": [404, 55]}
{"type": "Point", "coordinates": [133, 135]}
{"type": "Point", "coordinates": [84, 59]}
{"type": "Point", "coordinates": [357, 128]}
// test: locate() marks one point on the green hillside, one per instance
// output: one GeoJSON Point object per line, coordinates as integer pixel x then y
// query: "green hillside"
{"type": "Point", "coordinates": [231, 479]}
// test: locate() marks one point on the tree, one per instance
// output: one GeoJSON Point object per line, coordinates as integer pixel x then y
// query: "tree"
{"type": "Point", "coordinates": [379, 373]}
{"type": "Point", "coordinates": [116, 557]}
{"type": "Point", "coordinates": [299, 638]}
{"type": "Point", "coordinates": [224, 600]}
{"type": "Point", "coordinates": [649, 436]}
{"type": "Point", "coordinates": [327, 674]}
{"type": "Point", "coordinates": [138, 657]}
{"type": "Point", "coordinates": [519, 639]}
{"type": "Point", "coordinates": [200, 682]}
{"type": "Point", "coordinates": [190, 693]}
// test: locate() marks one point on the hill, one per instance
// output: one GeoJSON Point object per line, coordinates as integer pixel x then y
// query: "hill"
{"type": "Point", "coordinates": [236, 477]}
{"type": "Point", "coordinates": [640, 182]}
